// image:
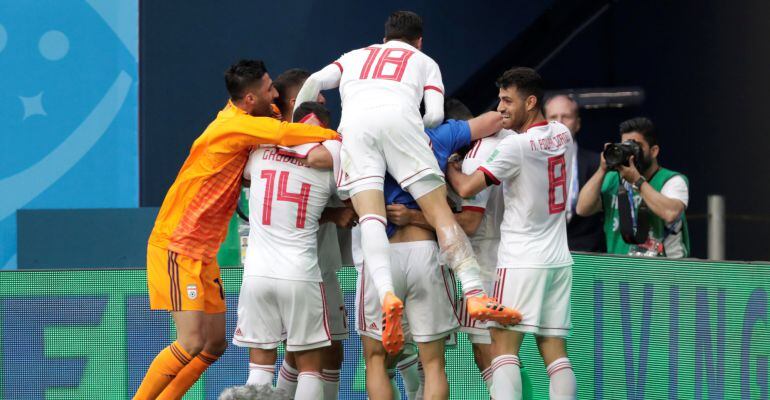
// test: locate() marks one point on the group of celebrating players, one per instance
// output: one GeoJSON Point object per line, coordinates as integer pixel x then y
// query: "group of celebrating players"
{"type": "Point", "coordinates": [384, 174]}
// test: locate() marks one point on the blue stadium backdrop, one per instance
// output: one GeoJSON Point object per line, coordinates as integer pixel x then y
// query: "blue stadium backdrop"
{"type": "Point", "coordinates": [643, 328]}
{"type": "Point", "coordinates": [68, 108]}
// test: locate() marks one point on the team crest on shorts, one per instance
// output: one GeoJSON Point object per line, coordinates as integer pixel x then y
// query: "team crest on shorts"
{"type": "Point", "coordinates": [192, 291]}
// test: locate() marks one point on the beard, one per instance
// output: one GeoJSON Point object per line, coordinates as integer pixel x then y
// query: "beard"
{"type": "Point", "coordinates": [645, 162]}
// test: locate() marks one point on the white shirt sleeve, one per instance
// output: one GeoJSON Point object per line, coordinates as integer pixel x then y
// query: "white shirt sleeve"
{"type": "Point", "coordinates": [327, 78]}
{"type": "Point", "coordinates": [676, 188]}
{"type": "Point", "coordinates": [505, 161]}
{"type": "Point", "coordinates": [471, 163]}
{"type": "Point", "coordinates": [433, 97]}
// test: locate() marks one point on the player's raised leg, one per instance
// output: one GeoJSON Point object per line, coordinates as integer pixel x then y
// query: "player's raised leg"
{"type": "Point", "coordinates": [456, 252]}
{"type": "Point", "coordinates": [369, 203]}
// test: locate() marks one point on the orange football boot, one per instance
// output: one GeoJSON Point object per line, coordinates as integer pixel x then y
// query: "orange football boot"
{"type": "Point", "coordinates": [484, 308]}
{"type": "Point", "coordinates": [392, 331]}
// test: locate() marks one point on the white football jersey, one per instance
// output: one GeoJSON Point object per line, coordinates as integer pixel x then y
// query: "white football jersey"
{"type": "Point", "coordinates": [392, 73]}
{"type": "Point", "coordinates": [533, 169]}
{"type": "Point", "coordinates": [329, 255]}
{"type": "Point", "coordinates": [489, 201]}
{"type": "Point", "coordinates": [285, 203]}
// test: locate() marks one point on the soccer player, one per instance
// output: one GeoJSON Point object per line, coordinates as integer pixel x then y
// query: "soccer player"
{"type": "Point", "coordinates": [182, 273]}
{"type": "Point", "coordinates": [287, 295]}
{"type": "Point", "coordinates": [532, 166]}
{"type": "Point", "coordinates": [288, 84]}
{"type": "Point", "coordinates": [381, 87]}
{"type": "Point", "coordinates": [427, 286]}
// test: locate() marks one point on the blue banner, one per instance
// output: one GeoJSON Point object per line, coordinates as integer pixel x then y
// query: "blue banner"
{"type": "Point", "coordinates": [68, 108]}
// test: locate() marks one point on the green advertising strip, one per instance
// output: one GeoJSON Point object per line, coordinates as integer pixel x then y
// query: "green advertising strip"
{"type": "Point", "coordinates": [642, 328]}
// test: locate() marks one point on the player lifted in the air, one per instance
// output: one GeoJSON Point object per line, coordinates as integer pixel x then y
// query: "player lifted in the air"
{"type": "Point", "coordinates": [381, 87]}
{"type": "Point", "coordinates": [282, 294]}
{"type": "Point", "coordinates": [534, 265]}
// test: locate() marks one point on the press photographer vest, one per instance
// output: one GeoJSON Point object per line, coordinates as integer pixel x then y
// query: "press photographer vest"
{"type": "Point", "coordinates": [615, 243]}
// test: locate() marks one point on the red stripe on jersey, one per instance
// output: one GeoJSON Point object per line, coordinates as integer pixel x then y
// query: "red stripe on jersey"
{"type": "Point", "coordinates": [431, 87]}
{"type": "Point", "coordinates": [339, 66]}
{"type": "Point", "coordinates": [490, 175]}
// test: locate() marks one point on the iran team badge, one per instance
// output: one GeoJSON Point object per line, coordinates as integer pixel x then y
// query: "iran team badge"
{"type": "Point", "coordinates": [192, 291]}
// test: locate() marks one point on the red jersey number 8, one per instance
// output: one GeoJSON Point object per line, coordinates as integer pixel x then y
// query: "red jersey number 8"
{"type": "Point", "coordinates": [554, 181]}
{"type": "Point", "coordinates": [387, 57]}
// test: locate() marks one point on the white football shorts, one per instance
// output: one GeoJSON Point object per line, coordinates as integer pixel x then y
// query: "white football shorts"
{"type": "Point", "coordinates": [427, 289]}
{"type": "Point", "coordinates": [271, 310]}
{"type": "Point", "coordinates": [386, 139]}
{"type": "Point", "coordinates": [542, 295]}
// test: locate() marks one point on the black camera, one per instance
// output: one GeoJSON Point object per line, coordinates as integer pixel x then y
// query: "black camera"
{"type": "Point", "coordinates": [617, 154]}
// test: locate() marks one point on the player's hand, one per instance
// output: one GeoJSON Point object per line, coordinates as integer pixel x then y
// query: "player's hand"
{"type": "Point", "coordinates": [345, 217]}
{"type": "Point", "coordinates": [629, 173]}
{"type": "Point", "coordinates": [398, 214]}
{"type": "Point", "coordinates": [453, 170]}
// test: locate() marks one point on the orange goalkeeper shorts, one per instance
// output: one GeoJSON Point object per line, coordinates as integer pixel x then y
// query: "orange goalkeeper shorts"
{"type": "Point", "coordinates": [180, 283]}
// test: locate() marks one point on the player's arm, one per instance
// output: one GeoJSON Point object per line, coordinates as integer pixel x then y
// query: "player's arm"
{"type": "Point", "coordinates": [325, 79]}
{"type": "Point", "coordinates": [470, 220]}
{"type": "Point", "coordinates": [433, 96]}
{"type": "Point", "coordinates": [401, 215]}
{"type": "Point", "coordinates": [343, 217]}
{"type": "Point", "coordinates": [266, 130]}
{"type": "Point", "coordinates": [503, 163]}
{"type": "Point", "coordinates": [485, 124]}
{"type": "Point", "coordinates": [466, 185]}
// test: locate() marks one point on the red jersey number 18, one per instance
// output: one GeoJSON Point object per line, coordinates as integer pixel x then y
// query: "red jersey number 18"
{"type": "Point", "coordinates": [387, 57]}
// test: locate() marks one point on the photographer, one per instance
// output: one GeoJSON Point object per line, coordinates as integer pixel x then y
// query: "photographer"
{"type": "Point", "coordinates": [630, 171]}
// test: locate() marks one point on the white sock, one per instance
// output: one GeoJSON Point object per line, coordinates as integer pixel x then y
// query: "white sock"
{"type": "Point", "coordinates": [331, 378]}
{"type": "Point", "coordinates": [563, 384]}
{"type": "Point", "coordinates": [506, 377]}
{"type": "Point", "coordinates": [376, 249]}
{"type": "Point", "coordinates": [456, 253]}
{"type": "Point", "coordinates": [394, 385]}
{"type": "Point", "coordinates": [260, 374]}
{"type": "Point", "coordinates": [421, 388]}
{"type": "Point", "coordinates": [410, 375]}
{"type": "Point", "coordinates": [310, 386]}
{"type": "Point", "coordinates": [487, 376]}
{"type": "Point", "coordinates": [287, 379]}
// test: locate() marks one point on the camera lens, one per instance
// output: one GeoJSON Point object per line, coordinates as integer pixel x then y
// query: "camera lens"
{"type": "Point", "coordinates": [613, 155]}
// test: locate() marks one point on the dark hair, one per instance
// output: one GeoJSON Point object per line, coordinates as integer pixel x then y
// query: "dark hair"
{"type": "Point", "coordinates": [242, 75]}
{"type": "Point", "coordinates": [291, 78]}
{"type": "Point", "coordinates": [455, 109]}
{"type": "Point", "coordinates": [644, 126]}
{"type": "Point", "coordinates": [404, 25]}
{"type": "Point", "coordinates": [527, 81]}
{"type": "Point", "coordinates": [312, 107]}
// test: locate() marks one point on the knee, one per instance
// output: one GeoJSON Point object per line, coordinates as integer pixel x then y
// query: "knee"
{"type": "Point", "coordinates": [192, 343]}
{"type": "Point", "coordinates": [216, 346]}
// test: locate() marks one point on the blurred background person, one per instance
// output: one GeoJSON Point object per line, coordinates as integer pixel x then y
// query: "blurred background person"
{"type": "Point", "coordinates": [664, 192]}
{"type": "Point", "coordinates": [583, 233]}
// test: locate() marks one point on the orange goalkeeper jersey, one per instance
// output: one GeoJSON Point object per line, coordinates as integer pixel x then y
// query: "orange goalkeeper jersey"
{"type": "Point", "coordinates": [195, 213]}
